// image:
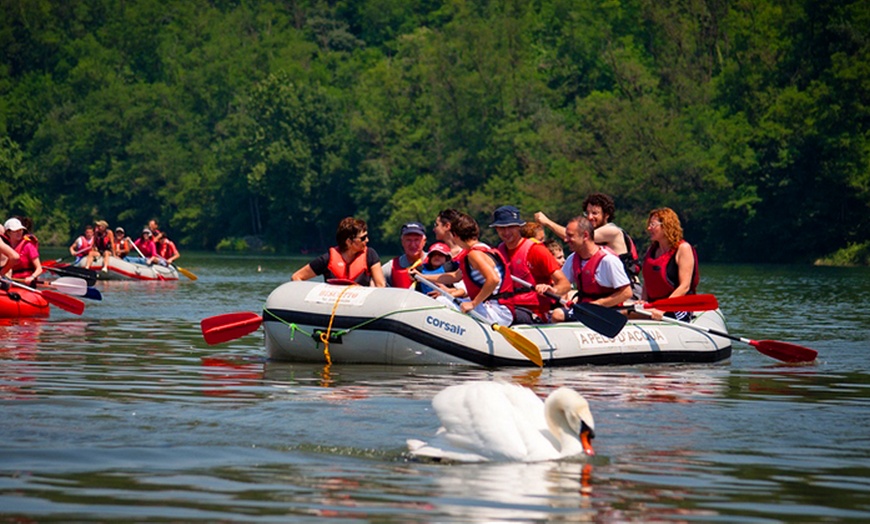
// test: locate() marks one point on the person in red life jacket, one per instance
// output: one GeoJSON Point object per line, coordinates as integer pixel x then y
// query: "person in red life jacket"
{"type": "Point", "coordinates": [104, 245]}
{"type": "Point", "coordinates": [146, 248]}
{"type": "Point", "coordinates": [83, 244]}
{"type": "Point", "coordinates": [670, 266]}
{"type": "Point", "coordinates": [435, 263]}
{"type": "Point", "coordinates": [596, 271]}
{"type": "Point", "coordinates": [530, 261]}
{"type": "Point", "coordinates": [533, 231]}
{"type": "Point", "coordinates": [443, 231]}
{"type": "Point", "coordinates": [123, 244]}
{"type": "Point", "coordinates": [28, 266]}
{"type": "Point", "coordinates": [413, 242]}
{"type": "Point", "coordinates": [8, 256]}
{"type": "Point", "coordinates": [155, 229]}
{"type": "Point", "coordinates": [350, 259]}
{"type": "Point", "coordinates": [484, 272]}
{"type": "Point", "coordinates": [166, 250]}
{"type": "Point", "coordinates": [599, 209]}
{"type": "Point", "coordinates": [556, 250]}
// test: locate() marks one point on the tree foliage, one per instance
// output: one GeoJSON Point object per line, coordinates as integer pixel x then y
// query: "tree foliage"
{"type": "Point", "coordinates": [275, 119]}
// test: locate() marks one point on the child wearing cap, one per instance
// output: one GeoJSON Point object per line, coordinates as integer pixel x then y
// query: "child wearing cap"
{"type": "Point", "coordinates": [436, 261]}
{"type": "Point", "coordinates": [438, 256]}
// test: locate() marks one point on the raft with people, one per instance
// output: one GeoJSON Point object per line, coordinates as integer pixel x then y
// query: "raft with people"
{"type": "Point", "coordinates": [122, 269]}
{"type": "Point", "coordinates": [309, 321]}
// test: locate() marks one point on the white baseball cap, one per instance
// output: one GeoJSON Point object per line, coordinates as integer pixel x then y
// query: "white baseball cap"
{"type": "Point", "coordinates": [13, 224]}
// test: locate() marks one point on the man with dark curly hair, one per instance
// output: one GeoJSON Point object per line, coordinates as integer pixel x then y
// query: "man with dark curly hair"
{"type": "Point", "coordinates": [599, 209]}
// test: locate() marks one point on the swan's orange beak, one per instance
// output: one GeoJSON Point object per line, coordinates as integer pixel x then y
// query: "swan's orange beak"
{"type": "Point", "coordinates": [586, 436]}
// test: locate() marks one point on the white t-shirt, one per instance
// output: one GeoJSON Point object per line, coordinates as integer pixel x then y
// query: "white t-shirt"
{"type": "Point", "coordinates": [610, 272]}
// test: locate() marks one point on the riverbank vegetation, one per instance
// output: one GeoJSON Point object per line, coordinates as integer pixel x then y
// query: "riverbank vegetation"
{"type": "Point", "coordinates": [274, 119]}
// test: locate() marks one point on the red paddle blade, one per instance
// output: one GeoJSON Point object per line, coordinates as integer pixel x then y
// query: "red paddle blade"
{"type": "Point", "coordinates": [223, 328]}
{"type": "Point", "coordinates": [785, 351]}
{"type": "Point", "coordinates": [65, 302]}
{"type": "Point", "coordinates": [685, 303]}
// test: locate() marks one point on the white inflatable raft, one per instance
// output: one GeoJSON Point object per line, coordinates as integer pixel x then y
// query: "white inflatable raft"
{"type": "Point", "coordinates": [120, 269]}
{"type": "Point", "coordinates": [403, 327]}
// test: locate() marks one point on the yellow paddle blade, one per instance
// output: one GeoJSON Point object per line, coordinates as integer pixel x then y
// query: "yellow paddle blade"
{"type": "Point", "coordinates": [521, 343]}
{"type": "Point", "coordinates": [186, 273]}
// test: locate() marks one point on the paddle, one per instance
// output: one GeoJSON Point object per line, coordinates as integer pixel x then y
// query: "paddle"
{"type": "Point", "coordinates": [683, 303]}
{"type": "Point", "coordinates": [607, 321]}
{"type": "Point", "coordinates": [75, 286]}
{"type": "Point", "coordinates": [229, 326]}
{"type": "Point", "coordinates": [517, 340]}
{"type": "Point", "coordinates": [783, 351]}
{"type": "Point", "coordinates": [65, 302]}
{"type": "Point", "coordinates": [89, 275]}
{"type": "Point", "coordinates": [185, 272]}
{"type": "Point", "coordinates": [181, 270]}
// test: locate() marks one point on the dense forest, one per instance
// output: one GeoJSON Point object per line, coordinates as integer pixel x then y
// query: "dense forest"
{"type": "Point", "coordinates": [247, 122]}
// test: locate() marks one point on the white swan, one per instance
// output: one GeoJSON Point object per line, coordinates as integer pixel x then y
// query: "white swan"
{"type": "Point", "coordinates": [496, 421]}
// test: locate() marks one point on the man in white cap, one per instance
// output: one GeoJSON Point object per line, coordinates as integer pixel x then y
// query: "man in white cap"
{"type": "Point", "coordinates": [413, 242]}
{"type": "Point", "coordinates": [530, 261]}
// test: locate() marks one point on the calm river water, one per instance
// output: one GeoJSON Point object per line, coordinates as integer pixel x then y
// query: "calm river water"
{"type": "Point", "coordinates": [124, 413]}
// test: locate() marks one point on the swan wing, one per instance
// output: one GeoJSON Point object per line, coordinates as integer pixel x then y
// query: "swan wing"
{"type": "Point", "coordinates": [495, 420]}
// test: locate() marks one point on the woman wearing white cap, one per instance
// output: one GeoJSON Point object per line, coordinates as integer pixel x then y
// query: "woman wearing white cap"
{"type": "Point", "coordinates": [28, 267]}
{"type": "Point", "coordinates": [8, 256]}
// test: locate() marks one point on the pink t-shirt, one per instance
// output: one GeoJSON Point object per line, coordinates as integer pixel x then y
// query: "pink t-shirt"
{"type": "Point", "coordinates": [146, 247]}
{"type": "Point", "coordinates": [28, 253]}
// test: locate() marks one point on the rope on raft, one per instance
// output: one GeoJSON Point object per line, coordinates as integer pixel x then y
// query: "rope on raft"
{"type": "Point", "coordinates": [325, 336]}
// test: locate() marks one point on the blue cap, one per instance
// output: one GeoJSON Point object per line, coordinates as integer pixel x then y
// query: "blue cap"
{"type": "Point", "coordinates": [413, 228]}
{"type": "Point", "coordinates": [507, 216]}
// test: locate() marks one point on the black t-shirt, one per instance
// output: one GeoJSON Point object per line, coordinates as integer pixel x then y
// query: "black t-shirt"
{"type": "Point", "coordinates": [320, 266]}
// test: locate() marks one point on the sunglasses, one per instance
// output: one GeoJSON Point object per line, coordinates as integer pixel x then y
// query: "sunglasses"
{"type": "Point", "coordinates": [363, 238]}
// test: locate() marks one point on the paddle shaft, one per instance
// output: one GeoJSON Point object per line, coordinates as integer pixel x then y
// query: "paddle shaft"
{"type": "Point", "coordinates": [88, 275]}
{"type": "Point", "coordinates": [604, 320]}
{"type": "Point", "coordinates": [783, 351]}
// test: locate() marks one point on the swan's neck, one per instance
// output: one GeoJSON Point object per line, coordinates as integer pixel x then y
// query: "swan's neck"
{"type": "Point", "coordinates": [568, 439]}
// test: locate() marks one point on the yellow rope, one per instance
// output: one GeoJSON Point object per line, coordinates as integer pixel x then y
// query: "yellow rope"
{"type": "Point", "coordinates": [324, 337]}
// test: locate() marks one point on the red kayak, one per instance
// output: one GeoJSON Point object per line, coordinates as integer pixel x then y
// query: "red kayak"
{"type": "Point", "coordinates": [21, 303]}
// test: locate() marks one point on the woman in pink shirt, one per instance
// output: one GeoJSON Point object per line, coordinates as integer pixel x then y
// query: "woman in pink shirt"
{"type": "Point", "coordinates": [28, 267]}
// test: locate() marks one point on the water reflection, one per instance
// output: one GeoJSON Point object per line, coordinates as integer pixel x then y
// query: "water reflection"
{"type": "Point", "coordinates": [125, 413]}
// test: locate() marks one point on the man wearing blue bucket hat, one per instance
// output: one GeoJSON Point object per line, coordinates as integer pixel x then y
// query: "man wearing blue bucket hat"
{"type": "Point", "coordinates": [530, 261]}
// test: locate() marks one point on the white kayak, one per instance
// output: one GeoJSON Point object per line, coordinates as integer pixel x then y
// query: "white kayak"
{"type": "Point", "coordinates": [120, 269]}
{"type": "Point", "coordinates": [395, 326]}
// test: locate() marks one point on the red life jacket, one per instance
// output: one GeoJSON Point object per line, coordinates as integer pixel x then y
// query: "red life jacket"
{"type": "Point", "coordinates": [588, 288]}
{"type": "Point", "coordinates": [123, 246]}
{"type": "Point", "coordinates": [473, 287]}
{"type": "Point", "coordinates": [84, 245]}
{"type": "Point", "coordinates": [102, 242]}
{"type": "Point", "coordinates": [399, 275]}
{"type": "Point", "coordinates": [629, 259]}
{"type": "Point", "coordinates": [519, 265]}
{"type": "Point", "coordinates": [166, 249]}
{"type": "Point", "coordinates": [340, 269]}
{"type": "Point", "coordinates": [661, 275]}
